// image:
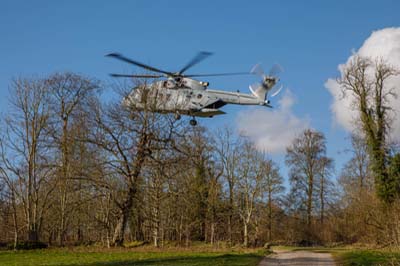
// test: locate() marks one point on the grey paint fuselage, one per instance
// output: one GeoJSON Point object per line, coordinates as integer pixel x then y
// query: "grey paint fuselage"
{"type": "Point", "coordinates": [190, 97]}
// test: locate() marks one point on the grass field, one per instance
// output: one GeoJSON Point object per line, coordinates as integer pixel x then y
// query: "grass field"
{"type": "Point", "coordinates": [127, 257]}
{"type": "Point", "coordinates": [368, 258]}
{"type": "Point", "coordinates": [354, 256]}
{"type": "Point", "coordinates": [87, 256]}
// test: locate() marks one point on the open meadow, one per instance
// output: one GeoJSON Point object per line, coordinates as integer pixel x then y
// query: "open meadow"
{"type": "Point", "coordinates": [87, 256]}
{"type": "Point", "coordinates": [196, 256]}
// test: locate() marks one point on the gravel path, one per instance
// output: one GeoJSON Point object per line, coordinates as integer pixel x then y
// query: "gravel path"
{"type": "Point", "coordinates": [303, 258]}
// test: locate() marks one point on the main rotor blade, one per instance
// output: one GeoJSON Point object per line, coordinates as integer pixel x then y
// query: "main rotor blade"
{"type": "Point", "coordinates": [134, 76]}
{"type": "Point", "coordinates": [197, 59]}
{"type": "Point", "coordinates": [130, 61]}
{"type": "Point", "coordinates": [218, 74]}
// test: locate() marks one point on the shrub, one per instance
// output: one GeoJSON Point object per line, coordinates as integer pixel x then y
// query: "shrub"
{"type": "Point", "coordinates": [135, 244]}
{"type": "Point", "coordinates": [26, 245]}
{"type": "Point", "coordinates": [3, 245]}
{"type": "Point", "coordinates": [85, 243]}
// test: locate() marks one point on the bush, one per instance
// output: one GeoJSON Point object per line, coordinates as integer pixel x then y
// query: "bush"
{"type": "Point", "coordinates": [135, 244]}
{"type": "Point", "coordinates": [3, 245]}
{"type": "Point", "coordinates": [26, 245]}
{"type": "Point", "coordinates": [85, 243]}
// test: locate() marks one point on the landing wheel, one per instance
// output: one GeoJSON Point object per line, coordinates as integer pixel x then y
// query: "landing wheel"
{"type": "Point", "coordinates": [193, 122]}
{"type": "Point", "coordinates": [177, 116]}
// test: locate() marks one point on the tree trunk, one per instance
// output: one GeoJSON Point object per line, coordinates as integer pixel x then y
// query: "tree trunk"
{"type": "Point", "coordinates": [123, 219]}
{"type": "Point", "coordinates": [230, 218]}
{"type": "Point", "coordinates": [156, 225]}
{"type": "Point", "coordinates": [64, 176]}
{"type": "Point", "coordinates": [187, 235]}
{"type": "Point", "coordinates": [269, 217]}
{"type": "Point", "coordinates": [212, 233]}
{"type": "Point", "coordinates": [245, 235]}
{"type": "Point", "coordinates": [15, 219]}
{"type": "Point", "coordinates": [33, 235]}
{"type": "Point", "coordinates": [61, 229]}
{"type": "Point", "coordinates": [309, 200]}
{"type": "Point", "coordinates": [322, 190]}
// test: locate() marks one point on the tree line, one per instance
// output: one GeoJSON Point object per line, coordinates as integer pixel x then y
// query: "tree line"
{"type": "Point", "coordinates": [77, 169]}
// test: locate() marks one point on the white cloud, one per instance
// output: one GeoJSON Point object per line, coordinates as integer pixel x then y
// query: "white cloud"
{"type": "Point", "coordinates": [382, 44]}
{"type": "Point", "coordinates": [272, 129]}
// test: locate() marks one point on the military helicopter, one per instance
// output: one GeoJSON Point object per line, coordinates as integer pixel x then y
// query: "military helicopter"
{"type": "Point", "coordinates": [181, 94]}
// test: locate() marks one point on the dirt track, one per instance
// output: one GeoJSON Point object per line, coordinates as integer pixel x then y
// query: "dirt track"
{"type": "Point", "coordinates": [297, 258]}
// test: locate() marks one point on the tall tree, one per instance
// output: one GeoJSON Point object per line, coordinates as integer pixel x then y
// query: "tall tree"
{"type": "Point", "coordinates": [324, 185]}
{"type": "Point", "coordinates": [69, 93]}
{"type": "Point", "coordinates": [356, 177]}
{"type": "Point", "coordinates": [228, 150]}
{"type": "Point", "coordinates": [250, 177]}
{"type": "Point", "coordinates": [128, 137]}
{"type": "Point", "coordinates": [26, 153]}
{"type": "Point", "coordinates": [303, 157]}
{"type": "Point", "coordinates": [366, 81]}
{"type": "Point", "coordinates": [273, 188]}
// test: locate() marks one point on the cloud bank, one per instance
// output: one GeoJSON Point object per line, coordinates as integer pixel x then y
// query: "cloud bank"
{"type": "Point", "coordinates": [272, 130]}
{"type": "Point", "coordinates": [383, 44]}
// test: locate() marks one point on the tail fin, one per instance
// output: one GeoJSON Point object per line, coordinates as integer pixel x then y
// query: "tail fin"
{"type": "Point", "coordinates": [259, 91]}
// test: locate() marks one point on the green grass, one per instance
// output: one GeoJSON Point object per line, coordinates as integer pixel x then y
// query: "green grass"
{"type": "Point", "coordinates": [351, 256]}
{"type": "Point", "coordinates": [128, 257]}
{"type": "Point", "coordinates": [368, 258]}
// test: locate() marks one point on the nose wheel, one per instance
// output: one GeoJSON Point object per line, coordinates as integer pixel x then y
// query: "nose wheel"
{"type": "Point", "coordinates": [193, 122]}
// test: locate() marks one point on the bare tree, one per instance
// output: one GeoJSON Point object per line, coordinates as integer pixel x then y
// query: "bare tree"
{"type": "Point", "coordinates": [273, 188]}
{"type": "Point", "coordinates": [356, 177]}
{"type": "Point", "coordinates": [303, 157]}
{"type": "Point", "coordinates": [160, 171]}
{"type": "Point", "coordinates": [129, 137]}
{"type": "Point", "coordinates": [324, 186]}
{"type": "Point", "coordinates": [68, 95]}
{"type": "Point", "coordinates": [25, 152]}
{"type": "Point", "coordinates": [228, 147]}
{"type": "Point", "coordinates": [250, 177]}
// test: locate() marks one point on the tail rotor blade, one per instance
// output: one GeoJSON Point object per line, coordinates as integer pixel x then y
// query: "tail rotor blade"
{"type": "Point", "coordinates": [253, 88]}
{"type": "Point", "coordinates": [258, 70]}
{"type": "Point", "coordinates": [277, 92]}
{"type": "Point", "coordinates": [275, 70]}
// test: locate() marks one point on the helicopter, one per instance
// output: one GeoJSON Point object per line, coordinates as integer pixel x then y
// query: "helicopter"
{"type": "Point", "coordinates": [181, 94]}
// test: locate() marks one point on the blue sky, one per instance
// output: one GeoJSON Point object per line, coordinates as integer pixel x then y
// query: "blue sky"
{"type": "Point", "coordinates": [308, 38]}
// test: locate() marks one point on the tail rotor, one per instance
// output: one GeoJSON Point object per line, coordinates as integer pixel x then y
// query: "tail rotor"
{"type": "Point", "coordinates": [268, 81]}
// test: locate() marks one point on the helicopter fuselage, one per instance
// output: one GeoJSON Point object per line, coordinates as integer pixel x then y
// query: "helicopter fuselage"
{"type": "Point", "coordinates": [187, 97]}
